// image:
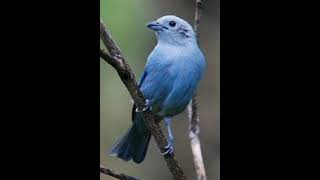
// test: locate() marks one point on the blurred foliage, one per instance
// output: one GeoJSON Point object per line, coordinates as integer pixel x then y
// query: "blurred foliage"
{"type": "Point", "coordinates": [126, 20]}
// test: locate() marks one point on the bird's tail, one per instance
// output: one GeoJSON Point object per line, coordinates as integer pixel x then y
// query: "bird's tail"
{"type": "Point", "coordinates": [133, 144]}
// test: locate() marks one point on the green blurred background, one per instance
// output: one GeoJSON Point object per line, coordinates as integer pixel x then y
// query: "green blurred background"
{"type": "Point", "coordinates": [127, 22]}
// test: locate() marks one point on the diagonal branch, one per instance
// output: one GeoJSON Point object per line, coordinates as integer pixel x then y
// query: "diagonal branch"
{"type": "Point", "coordinates": [109, 59]}
{"type": "Point", "coordinates": [110, 172]}
{"type": "Point", "coordinates": [193, 117]}
{"type": "Point", "coordinates": [115, 58]}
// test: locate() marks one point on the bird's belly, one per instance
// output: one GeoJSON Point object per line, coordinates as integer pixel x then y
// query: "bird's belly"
{"type": "Point", "coordinates": [178, 99]}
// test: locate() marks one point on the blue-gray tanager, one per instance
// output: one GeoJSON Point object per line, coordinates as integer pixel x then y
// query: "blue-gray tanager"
{"type": "Point", "coordinates": [171, 76]}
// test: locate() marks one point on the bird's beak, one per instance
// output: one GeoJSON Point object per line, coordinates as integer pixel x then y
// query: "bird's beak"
{"type": "Point", "coordinates": [156, 26]}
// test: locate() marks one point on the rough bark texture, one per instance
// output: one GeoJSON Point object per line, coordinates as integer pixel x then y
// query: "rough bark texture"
{"type": "Point", "coordinates": [116, 59]}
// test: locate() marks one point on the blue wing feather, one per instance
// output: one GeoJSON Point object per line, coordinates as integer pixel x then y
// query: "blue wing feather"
{"type": "Point", "coordinates": [143, 76]}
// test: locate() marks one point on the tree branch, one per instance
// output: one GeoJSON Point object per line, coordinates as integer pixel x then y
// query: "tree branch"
{"type": "Point", "coordinates": [114, 174]}
{"type": "Point", "coordinates": [197, 16]}
{"type": "Point", "coordinates": [117, 60]}
{"type": "Point", "coordinates": [193, 117]}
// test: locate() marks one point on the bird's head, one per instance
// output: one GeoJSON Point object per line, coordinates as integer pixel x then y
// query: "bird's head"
{"type": "Point", "coordinates": [173, 30]}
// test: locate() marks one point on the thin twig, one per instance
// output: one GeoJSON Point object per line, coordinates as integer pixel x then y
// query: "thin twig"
{"type": "Point", "coordinates": [115, 174]}
{"type": "Point", "coordinates": [194, 129]}
{"type": "Point", "coordinates": [117, 60]}
{"type": "Point", "coordinates": [197, 17]}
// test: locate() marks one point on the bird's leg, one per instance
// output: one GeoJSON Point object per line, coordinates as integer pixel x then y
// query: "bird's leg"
{"type": "Point", "coordinates": [146, 106]}
{"type": "Point", "coordinates": [169, 147]}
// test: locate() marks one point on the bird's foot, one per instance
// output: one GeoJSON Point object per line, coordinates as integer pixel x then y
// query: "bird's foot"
{"type": "Point", "coordinates": [147, 106]}
{"type": "Point", "coordinates": [168, 149]}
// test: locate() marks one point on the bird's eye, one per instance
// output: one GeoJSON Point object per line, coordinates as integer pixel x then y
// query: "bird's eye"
{"type": "Point", "coordinates": [172, 23]}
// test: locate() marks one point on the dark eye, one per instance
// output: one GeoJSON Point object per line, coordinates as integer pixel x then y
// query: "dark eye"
{"type": "Point", "coordinates": [172, 23]}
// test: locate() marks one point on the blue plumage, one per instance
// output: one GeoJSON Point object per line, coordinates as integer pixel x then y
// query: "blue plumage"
{"type": "Point", "coordinates": [171, 76]}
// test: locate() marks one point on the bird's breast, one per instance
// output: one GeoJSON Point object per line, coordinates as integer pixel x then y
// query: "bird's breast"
{"type": "Point", "coordinates": [173, 76]}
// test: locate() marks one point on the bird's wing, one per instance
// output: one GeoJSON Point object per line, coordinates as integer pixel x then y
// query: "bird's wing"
{"type": "Point", "coordinates": [144, 74]}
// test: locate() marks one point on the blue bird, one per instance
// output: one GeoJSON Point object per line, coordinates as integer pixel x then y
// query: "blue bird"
{"type": "Point", "coordinates": [171, 76]}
